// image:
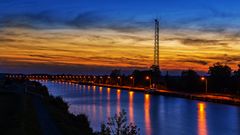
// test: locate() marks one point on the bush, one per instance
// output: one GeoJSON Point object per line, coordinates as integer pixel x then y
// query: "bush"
{"type": "Point", "coordinates": [59, 103]}
{"type": "Point", "coordinates": [118, 125]}
{"type": "Point", "coordinates": [83, 123]}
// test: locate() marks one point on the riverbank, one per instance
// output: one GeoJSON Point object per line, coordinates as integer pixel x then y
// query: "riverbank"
{"type": "Point", "coordinates": [208, 97]}
{"type": "Point", "coordinates": [17, 114]}
{"type": "Point", "coordinates": [28, 109]}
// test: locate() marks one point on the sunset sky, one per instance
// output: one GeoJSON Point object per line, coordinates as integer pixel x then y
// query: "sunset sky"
{"type": "Point", "coordinates": [93, 36]}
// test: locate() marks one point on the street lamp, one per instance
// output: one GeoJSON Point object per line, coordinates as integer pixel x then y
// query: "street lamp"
{"type": "Point", "coordinates": [132, 78]}
{"type": "Point", "coordinates": [206, 83]}
{"type": "Point", "coordinates": [150, 81]}
{"type": "Point", "coordinates": [100, 80]}
{"type": "Point", "coordinates": [89, 79]}
{"type": "Point", "coordinates": [109, 79]}
{"type": "Point", "coordinates": [94, 79]}
{"type": "Point", "coordinates": [119, 79]}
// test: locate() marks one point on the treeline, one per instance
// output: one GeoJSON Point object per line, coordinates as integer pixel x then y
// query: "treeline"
{"type": "Point", "coordinates": [220, 79]}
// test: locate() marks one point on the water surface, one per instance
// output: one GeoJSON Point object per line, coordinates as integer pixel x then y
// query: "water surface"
{"type": "Point", "coordinates": [154, 115]}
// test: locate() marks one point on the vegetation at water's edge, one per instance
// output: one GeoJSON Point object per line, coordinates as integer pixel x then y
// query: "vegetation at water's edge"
{"type": "Point", "coordinates": [70, 124]}
{"type": "Point", "coordinates": [118, 125]}
{"type": "Point", "coordinates": [17, 115]}
{"type": "Point", "coordinates": [221, 79]}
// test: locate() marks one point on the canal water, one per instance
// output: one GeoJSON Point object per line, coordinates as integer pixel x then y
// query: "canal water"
{"type": "Point", "coordinates": [153, 114]}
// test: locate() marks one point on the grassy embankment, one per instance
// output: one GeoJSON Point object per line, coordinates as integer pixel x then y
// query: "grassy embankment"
{"type": "Point", "coordinates": [67, 123]}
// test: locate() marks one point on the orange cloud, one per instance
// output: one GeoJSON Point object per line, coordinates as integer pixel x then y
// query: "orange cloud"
{"type": "Point", "coordinates": [105, 47]}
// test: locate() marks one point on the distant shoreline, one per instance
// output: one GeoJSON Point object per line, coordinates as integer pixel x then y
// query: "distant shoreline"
{"type": "Point", "coordinates": [209, 97]}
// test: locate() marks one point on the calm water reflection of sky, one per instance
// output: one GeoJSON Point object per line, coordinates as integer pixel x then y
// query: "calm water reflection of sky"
{"type": "Point", "coordinates": [154, 115]}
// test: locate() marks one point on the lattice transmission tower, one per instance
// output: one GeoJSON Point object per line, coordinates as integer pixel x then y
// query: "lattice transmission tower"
{"type": "Point", "coordinates": [156, 45]}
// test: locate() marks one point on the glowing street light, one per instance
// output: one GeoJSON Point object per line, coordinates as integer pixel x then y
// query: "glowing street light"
{"type": "Point", "coordinates": [109, 79]}
{"type": "Point", "coordinates": [150, 81]}
{"type": "Point", "coordinates": [132, 78]}
{"type": "Point", "coordinates": [94, 79]}
{"type": "Point", "coordinates": [206, 83]}
{"type": "Point", "coordinates": [119, 79]}
{"type": "Point", "coordinates": [101, 79]}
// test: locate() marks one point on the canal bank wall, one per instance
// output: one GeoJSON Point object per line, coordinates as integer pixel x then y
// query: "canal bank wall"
{"type": "Point", "coordinates": [208, 97]}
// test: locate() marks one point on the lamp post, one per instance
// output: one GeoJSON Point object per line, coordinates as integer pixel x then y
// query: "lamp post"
{"type": "Point", "coordinates": [89, 78]}
{"type": "Point", "coordinates": [132, 78]}
{"type": "Point", "coordinates": [94, 79]}
{"type": "Point", "coordinates": [206, 83]}
{"type": "Point", "coordinates": [150, 81]}
{"type": "Point", "coordinates": [109, 79]}
{"type": "Point", "coordinates": [119, 78]}
{"type": "Point", "coordinates": [100, 80]}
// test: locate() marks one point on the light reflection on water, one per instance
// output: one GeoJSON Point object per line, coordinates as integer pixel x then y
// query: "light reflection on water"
{"type": "Point", "coordinates": [131, 111]}
{"type": "Point", "coordinates": [147, 114]}
{"type": "Point", "coordinates": [202, 124]}
{"type": "Point", "coordinates": [118, 100]}
{"type": "Point", "coordinates": [154, 115]}
{"type": "Point", "coordinates": [108, 102]}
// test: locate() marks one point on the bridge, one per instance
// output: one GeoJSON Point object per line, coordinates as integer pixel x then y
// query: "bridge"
{"type": "Point", "coordinates": [74, 78]}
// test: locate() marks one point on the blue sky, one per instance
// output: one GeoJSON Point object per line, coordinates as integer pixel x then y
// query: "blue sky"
{"type": "Point", "coordinates": [171, 12]}
{"type": "Point", "coordinates": [193, 33]}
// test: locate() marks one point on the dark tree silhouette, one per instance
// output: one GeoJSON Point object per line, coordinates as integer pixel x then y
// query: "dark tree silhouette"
{"type": "Point", "coordinates": [115, 73]}
{"type": "Point", "coordinates": [220, 77]}
{"type": "Point", "coordinates": [237, 72]}
{"type": "Point", "coordinates": [114, 76]}
{"type": "Point", "coordinates": [236, 80]}
{"type": "Point", "coordinates": [118, 125]}
{"type": "Point", "coordinates": [83, 124]}
{"type": "Point", "coordinates": [140, 77]}
{"type": "Point", "coordinates": [190, 80]}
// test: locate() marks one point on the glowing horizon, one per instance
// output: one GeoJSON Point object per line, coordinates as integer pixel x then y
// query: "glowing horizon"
{"type": "Point", "coordinates": [29, 41]}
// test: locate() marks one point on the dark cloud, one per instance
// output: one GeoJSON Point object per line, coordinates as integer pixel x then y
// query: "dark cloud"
{"type": "Point", "coordinates": [200, 62]}
{"type": "Point", "coordinates": [200, 42]}
{"type": "Point", "coordinates": [96, 20]}
{"type": "Point", "coordinates": [116, 61]}
{"type": "Point", "coordinates": [10, 39]}
{"type": "Point", "coordinates": [2, 40]}
{"type": "Point", "coordinates": [209, 20]}
{"type": "Point", "coordinates": [84, 20]}
{"type": "Point", "coordinates": [41, 56]}
{"type": "Point", "coordinates": [129, 28]}
{"type": "Point", "coordinates": [214, 12]}
{"type": "Point", "coordinates": [89, 19]}
{"type": "Point", "coordinates": [137, 62]}
{"type": "Point", "coordinates": [225, 58]}
{"type": "Point", "coordinates": [29, 20]}
{"type": "Point", "coordinates": [233, 36]}
{"type": "Point", "coordinates": [136, 38]}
